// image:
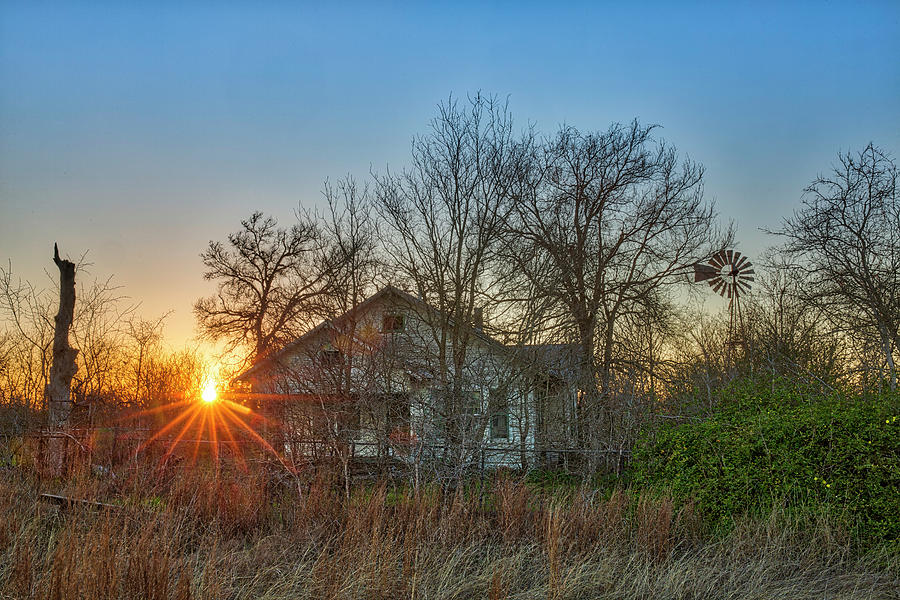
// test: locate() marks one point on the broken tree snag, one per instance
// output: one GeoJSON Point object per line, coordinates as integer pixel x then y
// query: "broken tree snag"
{"type": "Point", "coordinates": [63, 368]}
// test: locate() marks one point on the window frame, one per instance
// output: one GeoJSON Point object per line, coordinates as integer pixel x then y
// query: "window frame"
{"type": "Point", "coordinates": [494, 433]}
{"type": "Point", "coordinates": [397, 319]}
{"type": "Point", "coordinates": [498, 406]}
{"type": "Point", "coordinates": [331, 357]}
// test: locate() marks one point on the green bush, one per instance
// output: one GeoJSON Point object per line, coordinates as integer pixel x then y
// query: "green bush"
{"type": "Point", "coordinates": [838, 454]}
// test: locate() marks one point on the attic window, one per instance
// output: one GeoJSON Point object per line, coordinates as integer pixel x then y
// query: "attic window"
{"type": "Point", "coordinates": [391, 323]}
{"type": "Point", "coordinates": [330, 357]}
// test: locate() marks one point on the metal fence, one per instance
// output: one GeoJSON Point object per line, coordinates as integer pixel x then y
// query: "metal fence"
{"type": "Point", "coordinates": [106, 447]}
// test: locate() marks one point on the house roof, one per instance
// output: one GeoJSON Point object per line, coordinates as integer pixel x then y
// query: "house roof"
{"type": "Point", "coordinates": [557, 359]}
{"type": "Point", "coordinates": [273, 357]}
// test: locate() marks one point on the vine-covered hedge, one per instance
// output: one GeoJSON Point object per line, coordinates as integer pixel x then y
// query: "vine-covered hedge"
{"type": "Point", "coordinates": [765, 446]}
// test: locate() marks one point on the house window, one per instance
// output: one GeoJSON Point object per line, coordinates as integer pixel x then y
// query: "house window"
{"type": "Point", "coordinates": [353, 417]}
{"type": "Point", "coordinates": [499, 409]}
{"type": "Point", "coordinates": [471, 410]}
{"type": "Point", "coordinates": [500, 426]}
{"type": "Point", "coordinates": [330, 357]}
{"type": "Point", "coordinates": [471, 403]}
{"type": "Point", "coordinates": [397, 407]}
{"type": "Point", "coordinates": [391, 323]}
{"type": "Point", "coordinates": [463, 409]}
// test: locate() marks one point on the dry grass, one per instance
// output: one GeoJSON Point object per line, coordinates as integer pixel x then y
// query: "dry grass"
{"type": "Point", "coordinates": [187, 534]}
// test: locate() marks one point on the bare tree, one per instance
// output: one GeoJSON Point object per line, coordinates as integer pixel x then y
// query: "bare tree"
{"type": "Point", "coordinates": [145, 336]}
{"type": "Point", "coordinates": [352, 255]}
{"type": "Point", "coordinates": [167, 376]}
{"type": "Point", "coordinates": [352, 266]}
{"type": "Point", "coordinates": [99, 332]}
{"type": "Point", "coordinates": [786, 336]}
{"type": "Point", "coordinates": [117, 351]}
{"type": "Point", "coordinates": [845, 244]}
{"type": "Point", "coordinates": [270, 284]}
{"type": "Point", "coordinates": [443, 217]}
{"type": "Point", "coordinates": [609, 223]}
{"type": "Point", "coordinates": [29, 322]}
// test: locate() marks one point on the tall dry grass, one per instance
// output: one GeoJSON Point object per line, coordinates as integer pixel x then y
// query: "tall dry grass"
{"type": "Point", "coordinates": [190, 533]}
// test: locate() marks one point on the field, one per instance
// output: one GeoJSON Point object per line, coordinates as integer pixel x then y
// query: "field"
{"type": "Point", "coordinates": [194, 533]}
{"type": "Point", "coordinates": [462, 300]}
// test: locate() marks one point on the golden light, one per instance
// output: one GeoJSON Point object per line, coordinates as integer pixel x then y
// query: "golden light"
{"type": "Point", "coordinates": [209, 393]}
{"type": "Point", "coordinates": [209, 419]}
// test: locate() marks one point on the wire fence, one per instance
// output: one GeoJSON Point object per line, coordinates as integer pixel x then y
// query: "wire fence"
{"type": "Point", "coordinates": [107, 447]}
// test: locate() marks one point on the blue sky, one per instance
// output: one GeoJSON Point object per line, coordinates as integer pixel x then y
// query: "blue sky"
{"type": "Point", "coordinates": [139, 131]}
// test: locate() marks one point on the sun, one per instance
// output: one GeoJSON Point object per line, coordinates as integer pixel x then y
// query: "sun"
{"type": "Point", "coordinates": [213, 418]}
{"type": "Point", "coordinates": [209, 393]}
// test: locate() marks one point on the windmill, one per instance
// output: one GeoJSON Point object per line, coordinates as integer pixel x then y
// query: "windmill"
{"type": "Point", "coordinates": [730, 275]}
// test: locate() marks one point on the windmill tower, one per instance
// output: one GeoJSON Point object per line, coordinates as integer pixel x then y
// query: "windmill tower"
{"type": "Point", "coordinates": [730, 275]}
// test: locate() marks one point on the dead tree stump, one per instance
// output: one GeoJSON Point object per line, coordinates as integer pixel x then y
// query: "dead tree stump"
{"type": "Point", "coordinates": [63, 368]}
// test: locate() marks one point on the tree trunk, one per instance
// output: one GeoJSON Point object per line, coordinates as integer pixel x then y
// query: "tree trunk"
{"type": "Point", "coordinates": [63, 368]}
{"type": "Point", "coordinates": [587, 399]}
{"type": "Point", "coordinates": [889, 355]}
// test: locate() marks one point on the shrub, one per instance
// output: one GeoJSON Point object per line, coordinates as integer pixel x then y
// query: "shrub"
{"type": "Point", "coordinates": [838, 454]}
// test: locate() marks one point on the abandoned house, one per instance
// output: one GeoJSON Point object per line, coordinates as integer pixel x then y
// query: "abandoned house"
{"type": "Point", "coordinates": [383, 381]}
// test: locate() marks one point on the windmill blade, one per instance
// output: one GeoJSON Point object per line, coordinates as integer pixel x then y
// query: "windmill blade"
{"type": "Point", "coordinates": [717, 260]}
{"type": "Point", "coordinates": [730, 254]}
{"type": "Point", "coordinates": [742, 263]}
{"type": "Point", "coordinates": [702, 272]}
{"type": "Point", "coordinates": [719, 284]}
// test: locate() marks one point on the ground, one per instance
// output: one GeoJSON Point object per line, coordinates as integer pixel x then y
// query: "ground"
{"type": "Point", "coordinates": [189, 532]}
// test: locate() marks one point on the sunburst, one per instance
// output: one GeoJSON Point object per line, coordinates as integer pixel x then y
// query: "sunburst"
{"type": "Point", "coordinates": [209, 417]}
{"type": "Point", "coordinates": [209, 394]}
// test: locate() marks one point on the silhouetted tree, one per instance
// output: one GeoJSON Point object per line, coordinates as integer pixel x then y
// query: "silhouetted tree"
{"type": "Point", "coordinates": [28, 321]}
{"type": "Point", "coordinates": [786, 336]}
{"type": "Point", "coordinates": [612, 219]}
{"type": "Point", "coordinates": [271, 282]}
{"type": "Point", "coordinates": [845, 245]}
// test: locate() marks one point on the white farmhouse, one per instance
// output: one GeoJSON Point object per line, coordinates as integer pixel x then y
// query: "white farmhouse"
{"type": "Point", "coordinates": [395, 378]}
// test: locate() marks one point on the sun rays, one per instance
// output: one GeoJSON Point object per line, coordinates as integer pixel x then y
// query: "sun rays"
{"type": "Point", "coordinates": [208, 422]}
